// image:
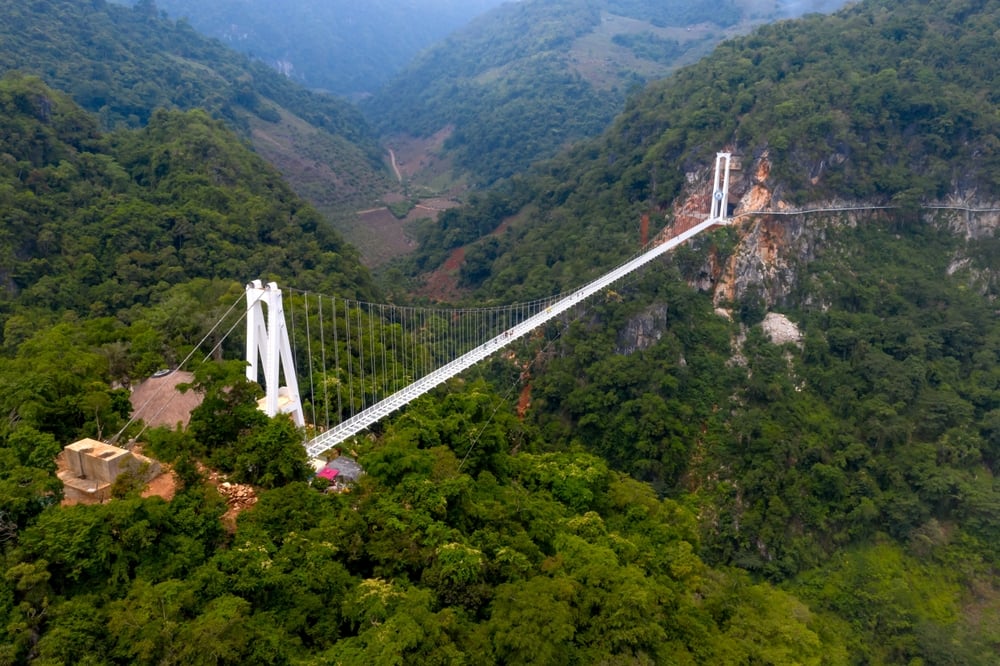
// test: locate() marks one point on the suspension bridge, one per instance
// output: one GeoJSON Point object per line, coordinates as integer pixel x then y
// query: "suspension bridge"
{"type": "Point", "coordinates": [372, 359]}
{"type": "Point", "coordinates": [385, 356]}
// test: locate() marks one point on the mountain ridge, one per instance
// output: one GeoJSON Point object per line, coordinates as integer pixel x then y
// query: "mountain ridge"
{"type": "Point", "coordinates": [122, 63]}
{"type": "Point", "coordinates": [675, 483]}
{"type": "Point", "coordinates": [549, 73]}
{"type": "Point", "coordinates": [345, 48]}
{"type": "Point", "coordinates": [758, 95]}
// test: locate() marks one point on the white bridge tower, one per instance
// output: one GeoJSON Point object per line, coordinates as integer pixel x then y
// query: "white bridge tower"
{"type": "Point", "coordinates": [720, 189]}
{"type": "Point", "coordinates": [267, 343]}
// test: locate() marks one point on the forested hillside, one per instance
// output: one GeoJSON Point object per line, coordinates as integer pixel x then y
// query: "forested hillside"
{"type": "Point", "coordinates": [347, 48]}
{"type": "Point", "coordinates": [529, 78]}
{"type": "Point", "coordinates": [122, 64]}
{"type": "Point", "coordinates": [662, 478]}
{"type": "Point", "coordinates": [533, 558]}
{"type": "Point", "coordinates": [443, 551]}
{"type": "Point", "coordinates": [857, 465]}
{"type": "Point", "coordinates": [125, 248]}
{"type": "Point", "coordinates": [845, 107]}
{"type": "Point", "coordinates": [101, 222]}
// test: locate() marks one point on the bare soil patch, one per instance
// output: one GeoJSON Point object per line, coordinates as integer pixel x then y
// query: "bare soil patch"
{"type": "Point", "coordinates": [380, 236]}
{"type": "Point", "coordinates": [386, 237]}
{"type": "Point", "coordinates": [158, 402]}
{"type": "Point", "coordinates": [433, 207]}
{"type": "Point", "coordinates": [442, 284]}
{"type": "Point", "coordinates": [165, 485]}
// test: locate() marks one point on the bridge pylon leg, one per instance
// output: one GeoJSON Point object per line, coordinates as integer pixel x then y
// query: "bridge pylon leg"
{"type": "Point", "coordinates": [268, 348]}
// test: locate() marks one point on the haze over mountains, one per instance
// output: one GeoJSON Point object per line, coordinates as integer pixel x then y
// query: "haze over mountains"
{"type": "Point", "coordinates": [347, 48]}
{"type": "Point", "coordinates": [778, 445]}
{"type": "Point", "coordinates": [554, 70]}
{"type": "Point", "coordinates": [452, 120]}
{"type": "Point", "coordinates": [840, 107]}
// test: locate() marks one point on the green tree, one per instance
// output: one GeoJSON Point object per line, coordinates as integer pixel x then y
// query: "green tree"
{"type": "Point", "coordinates": [531, 621]}
{"type": "Point", "coordinates": [272, 454]}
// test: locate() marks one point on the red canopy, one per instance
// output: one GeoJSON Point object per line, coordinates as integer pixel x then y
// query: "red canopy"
{"type": "Point", "coordinates": [328, 473]}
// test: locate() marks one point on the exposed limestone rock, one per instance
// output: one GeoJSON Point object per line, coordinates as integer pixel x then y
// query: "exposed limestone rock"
{"type": "Point", "coordinates": [643, 330]}
{"type": "Point", "coordinates": [738, 359]}
{"type": "Point", "coordinates": [957, 264]}
{"type": "Point", "coordinates": [768, 259]}
{"type": "Point", "coordinates": [780, 329]}
{"type": "Point", "coordinates": [758, 197]}
{"type": "Point", "coordinates": [973, 226]}
{"type": "Point", "coordinates": [972, 220]}
{"type": "Point", "coordinates": [774, 251]}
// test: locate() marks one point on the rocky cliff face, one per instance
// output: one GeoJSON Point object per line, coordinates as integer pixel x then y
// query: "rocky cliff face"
{"type": "Point", "coordinates": [643, 330]}
{"type": "Point", "coordinates": [776, 243]}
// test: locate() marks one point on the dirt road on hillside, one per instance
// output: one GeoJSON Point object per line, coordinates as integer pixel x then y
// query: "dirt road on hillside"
{"type": "Point", "coordinates": [395, 167]}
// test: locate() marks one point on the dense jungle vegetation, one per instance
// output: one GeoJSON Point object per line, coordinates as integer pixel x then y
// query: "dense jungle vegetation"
{"type": "Point", "coordinates": [132, 241]}
{"type": "Point", "coordinates": [122, 64]}
{"type": "Point", "coordinates": [680, 489]}
{"type": "Point", "coordinates": [478, 537]}
{"type": "Point", "coordinates": [98, 223]}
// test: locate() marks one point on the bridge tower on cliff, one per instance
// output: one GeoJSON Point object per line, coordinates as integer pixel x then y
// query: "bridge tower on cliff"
{"type": "Point", "coordinates": [720, 188]}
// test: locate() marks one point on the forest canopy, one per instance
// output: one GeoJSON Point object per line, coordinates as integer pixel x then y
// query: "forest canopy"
{"type": "Point", "coordinates": [670, 483]}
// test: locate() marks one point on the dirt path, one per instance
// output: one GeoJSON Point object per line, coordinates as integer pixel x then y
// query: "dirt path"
{"type": "Point", "coordinates": [395, 167]}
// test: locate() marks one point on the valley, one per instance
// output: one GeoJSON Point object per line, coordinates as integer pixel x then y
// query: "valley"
{"type": "Point", "coordinates": [777, 443]}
